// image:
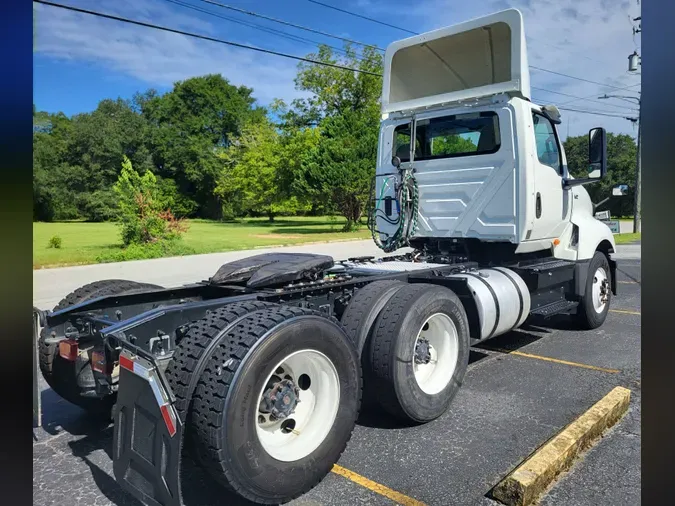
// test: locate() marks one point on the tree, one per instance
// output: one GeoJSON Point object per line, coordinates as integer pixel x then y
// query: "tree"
{"type": "Point", "coordinates": [336, 90]}
{"type": "Point", "coordinates": [53, 199]}
{"type": "Point", "coordinates": [190, 124]}
{"type": "Point", "coordinates": [76, 161]}
{"type": "Point", "coordinates": [338, 167]}
{"type": "Point", "coordinates": [297, 142]}
{"type": "Point", "coordinates": [250, 182]}
{"type": "Point", "coordinates": [621, 156]}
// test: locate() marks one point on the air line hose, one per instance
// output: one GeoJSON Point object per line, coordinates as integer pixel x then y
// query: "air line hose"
{"type": "Point", "coordinates": [408, 202]}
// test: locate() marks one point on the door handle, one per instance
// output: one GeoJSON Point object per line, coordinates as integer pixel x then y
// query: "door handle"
{"type": "Point", "coordinates": [538, 207]}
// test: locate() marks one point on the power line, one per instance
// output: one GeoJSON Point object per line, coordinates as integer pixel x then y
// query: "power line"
{"type": "Point", "coordinates": [578, 98]}
{"type": "Point", "coordinates": [250, 13]}
{"type": "Point", "coordinates": [595, 94]}
{"type": "Point", "coordinates": [574, 77]}
{"type": "Point", "coordinates": [257, 26]}
{"type": "Point", "coordinates": [557, 46]}
{"type": "Point", "coordinates": [597, 113]}
{"type": "Point", "coordinates": [244, 46]}
{"type": "Point", "coordinates": [262, 16]}
{"type": "Point", "coordinates": [363, 17]}
{"type": "Point", "coordinates": [203, 37]}
{"type": "Point", "coordinates": [417, 33]}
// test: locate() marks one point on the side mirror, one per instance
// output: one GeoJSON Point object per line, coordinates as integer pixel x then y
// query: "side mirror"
{"type": "Point", "coordinates": [620, 190]}
{"type": "Point", "coordinates": [597, 153]}
{"type": "Point", "coordinates": [396, 161]}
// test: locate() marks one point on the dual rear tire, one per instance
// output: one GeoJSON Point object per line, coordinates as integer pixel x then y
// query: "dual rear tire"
{"type": "Point", "coordinates": [414, 346]}
{"type": "Point", "coordinates": [276, 399]}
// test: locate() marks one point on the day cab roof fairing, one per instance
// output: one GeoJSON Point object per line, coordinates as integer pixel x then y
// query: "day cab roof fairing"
{"type": "Point", "coordinates": [478, 58]}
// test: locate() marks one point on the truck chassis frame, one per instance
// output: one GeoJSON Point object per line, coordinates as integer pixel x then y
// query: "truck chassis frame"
{"type": "Point", "coordinates": [140, 331]}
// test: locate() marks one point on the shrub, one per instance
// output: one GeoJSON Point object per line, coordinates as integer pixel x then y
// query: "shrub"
{"type": "Point", "coordinates": [55, 242]}
{"type": "Point", "coordinates": [142, 215]}
{"type": "Point", "coordinates": [158, 249]}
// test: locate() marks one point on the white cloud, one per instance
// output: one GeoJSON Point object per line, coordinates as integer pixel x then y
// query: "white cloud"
{"type": "Point", "coordinates": [583, 38]}
{"type": "Point", "coordinates": [156, 57]}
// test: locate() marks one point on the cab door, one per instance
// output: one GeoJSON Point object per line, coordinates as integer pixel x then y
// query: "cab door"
{"type": "Point", "coordinates": [549, 207]}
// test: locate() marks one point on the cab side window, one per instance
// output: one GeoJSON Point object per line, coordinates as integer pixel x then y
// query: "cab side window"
{"type": "Point", "coordinates": [546, 141]}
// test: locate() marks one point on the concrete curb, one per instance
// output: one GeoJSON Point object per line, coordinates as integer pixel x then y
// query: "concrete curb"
{"type": "Point", "coordinates": [532, 478]}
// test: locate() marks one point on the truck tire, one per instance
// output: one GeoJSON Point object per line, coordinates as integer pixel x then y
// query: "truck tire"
{"type": "Point", "coordinates": [358, 320]}
{"type": "Point", "coordinates": [419, 352]}
{"type": "Point", "coordinates": [246, 425]}
{"type": "Point", "coordinates": [594, 305]}
{"type": "Point", "coordinates": [191, 347]}
{"type": "Point", "coordinates": [62, 375]}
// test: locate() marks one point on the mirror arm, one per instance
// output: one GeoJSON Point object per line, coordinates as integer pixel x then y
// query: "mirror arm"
{"type": "Point", "coordinates": [595, 206]}
{"type": "Point", "coordinates": [569, 183]}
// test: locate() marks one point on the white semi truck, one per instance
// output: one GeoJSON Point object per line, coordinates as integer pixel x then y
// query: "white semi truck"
{"type": "Point", "coordinates": [259, 372]}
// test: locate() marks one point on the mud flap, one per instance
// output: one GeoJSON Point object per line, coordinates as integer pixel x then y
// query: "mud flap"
{"type": "Point", "coordinates": [612, 269]}
{"type": "Point", "coordinates": [146, 446]}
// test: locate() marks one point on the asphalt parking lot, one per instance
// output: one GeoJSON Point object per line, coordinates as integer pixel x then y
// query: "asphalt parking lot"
{"type": "Point", "coordinates": [520, 390]}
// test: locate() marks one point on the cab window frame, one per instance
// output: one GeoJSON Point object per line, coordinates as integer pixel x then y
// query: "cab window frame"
{"type": "Point", "coordinates": [450, 117]}
{"type": "Point", "coordinates": [560, 170]}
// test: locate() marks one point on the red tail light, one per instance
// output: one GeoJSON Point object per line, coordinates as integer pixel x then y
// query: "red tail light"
{"type": "Point", "coordinates": [68, 350]}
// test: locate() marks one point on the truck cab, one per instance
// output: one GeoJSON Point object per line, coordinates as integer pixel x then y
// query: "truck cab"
{"type": "Point", "coordinates": [488, 163]}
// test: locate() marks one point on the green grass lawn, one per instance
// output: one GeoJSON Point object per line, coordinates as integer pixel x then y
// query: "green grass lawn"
{"type": "Point", "coordinates": [83, 242]}
{"type": "Point", "coordinates": [627, 238]}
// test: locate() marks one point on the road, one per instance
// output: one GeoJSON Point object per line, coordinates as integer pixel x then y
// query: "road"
{"type": "Point", "coordinates": [51, 285]}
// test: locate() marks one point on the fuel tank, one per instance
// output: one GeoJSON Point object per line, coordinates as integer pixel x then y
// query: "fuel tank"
{"type": "Point", "coordinates": [501, 297]}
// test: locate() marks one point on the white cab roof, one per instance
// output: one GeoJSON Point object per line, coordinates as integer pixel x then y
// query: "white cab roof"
{"type": "Point", "coordinates": [481, 57]}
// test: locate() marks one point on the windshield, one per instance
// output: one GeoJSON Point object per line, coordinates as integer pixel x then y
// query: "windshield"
{"type": "Point", "coordinates": [449, 136]}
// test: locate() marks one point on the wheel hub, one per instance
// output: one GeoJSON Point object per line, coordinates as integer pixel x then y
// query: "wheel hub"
{"type": "Point", "coordinates": [604, 291]}
{"type": "Point", "coordinates": [280, 399]}
{"type": "Point", "coordinates": [601, 290]}
{"type": "Point", "coordinates": [297, 405]}
{"type": "Point", "coordinates": [422, 351]}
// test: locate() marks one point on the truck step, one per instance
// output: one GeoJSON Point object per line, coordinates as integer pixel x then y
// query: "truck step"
{"type": "Point", "coordinates": [547, 266]}
{"type": "Point", "coordinates": [557, 307]}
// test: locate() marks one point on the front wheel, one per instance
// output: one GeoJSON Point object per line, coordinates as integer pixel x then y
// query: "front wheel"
{"type": "Point", "coordinates": [594, 305]}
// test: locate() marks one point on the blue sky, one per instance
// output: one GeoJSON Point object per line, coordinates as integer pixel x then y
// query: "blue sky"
{"type": "Point", "coordinates": [79, 59]}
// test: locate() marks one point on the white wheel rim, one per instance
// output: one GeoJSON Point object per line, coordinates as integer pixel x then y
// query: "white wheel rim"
{"type": "Point", "coordinates": [302, 431]}
{"type": "Point", "coordinates": [442, 338]}
{"type": "Point", "coordinates": [600, 292]}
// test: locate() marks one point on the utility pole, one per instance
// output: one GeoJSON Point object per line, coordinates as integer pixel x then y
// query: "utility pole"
{"type": "Point", "coordinates": [637, 203]}
{"type": "Point", "coordinates": [634, 61]}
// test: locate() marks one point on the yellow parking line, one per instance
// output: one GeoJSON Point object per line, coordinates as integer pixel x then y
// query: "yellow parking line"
{"type": "Point", "coordinates": [625, 311]}
{"type": "Point", "coordinates": [556, 360]}
{"type": "Point", "coordinates": [628, 282]}
{"type": "Point", "coordinates": [373, 486]}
